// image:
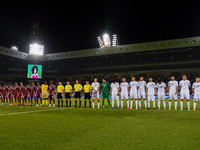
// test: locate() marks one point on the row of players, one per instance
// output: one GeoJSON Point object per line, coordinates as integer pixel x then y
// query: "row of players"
{"type": "Point", "coordinates": [138, 90]}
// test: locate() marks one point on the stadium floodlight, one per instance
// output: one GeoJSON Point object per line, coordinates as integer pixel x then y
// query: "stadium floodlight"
{"type": "Point", "coordinates": [36, 49]}
{"type": "Point", "coordinates": [107, 41]}
{"type": "Point", "coordinates": [114, 40]}
{"type": "Point", "coordinates": [100, 42]}
{"type": "Point", "coordinates": [13, 47]}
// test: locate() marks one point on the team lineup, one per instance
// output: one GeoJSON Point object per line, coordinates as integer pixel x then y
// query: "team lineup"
{"type": "Point", "coordinates": [23, 94]}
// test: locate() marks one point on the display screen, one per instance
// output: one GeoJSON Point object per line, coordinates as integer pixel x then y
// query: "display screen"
{"type": "Point", "coordinates": [34, 71]}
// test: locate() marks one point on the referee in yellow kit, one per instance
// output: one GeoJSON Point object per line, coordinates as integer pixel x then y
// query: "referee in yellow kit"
{"type": "Point", "coordinates": [77, 92]}
{"type": "Point", "coordinates": [60, 89]}
{"type": "Point", "coordinates": [68, 93]}
{"type": "Point", "coordinates": [87, 93]}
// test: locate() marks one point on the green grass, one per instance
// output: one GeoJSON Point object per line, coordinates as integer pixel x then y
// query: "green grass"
{"type": "Point", "coordinates": [84, 128]}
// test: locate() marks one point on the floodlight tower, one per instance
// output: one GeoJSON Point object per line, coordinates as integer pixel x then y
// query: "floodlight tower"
{"type": "Point", "coordinates": [106, 42]}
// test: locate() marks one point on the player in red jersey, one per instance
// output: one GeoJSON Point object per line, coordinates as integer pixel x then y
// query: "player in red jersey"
{"type": "Point", "coordinates": [5, 94]}
{"type": "Point", "coordinates": [1, 96]}
{"type": "Point", "coordinates": [16, 92]}
{"type": "Point", "coordinates": [51, 93]}
{"type": "Point", "coordinates": [10, 94]}
{"type": "Point", "coordinates": [21, 94]}
{"type": "Point", "coordinates": [39, 94]}
{"type": "Point", "coordinates": [33, 96]}
{"type": "Point", "coordinates": [26, 96]}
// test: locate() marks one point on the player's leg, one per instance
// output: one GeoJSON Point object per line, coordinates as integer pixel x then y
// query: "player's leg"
{"type": "Point", "coordinates": [131, 97]}
{"type": "Point", "coordinates": [164, 103]}
{"type": "Point", "coordinates": [153, 99]}
{"type": "Point", "coordinates": [127, 100]}
{"type": "Point", "coordinates": [98, 99]}
{"type": "Point", "coordinates": [136, 102]}
{"type": "Point", "coordinates": [85, 97]}
{"type": "Point", "coordinates": [66, 98]}
{"type": "Point", "coordinates": [170, 99]}
{"type": "Point", "coordinates": [103, 97]}
{"type": "Point", "coordinates": [159, 97]}
{"type": "Point", "coordinates": [58, 98]}
{"type": "Point", "coordinates": [139, 100]}
{"type": "Point", "coordinates": [149, 99]}
{"type": "Point", "coordinates": [54, 105]}
{"type": "Point", "coordinates": [50, 100]}
{"type": "Point", "coordinates": [113, 99]}
{"type": "Point", "coordinates": [117, 98]}
{"type": "Point", "coordinates": [79, 96]}
{"type": "Point", "coordinates": [107, 97]}
{"type": "Point", "coordinates": [175, 101]}
{"type": "Point", "coordinates": [144, 98]}
{"type": "Point", "coordinates": [70, 102]}
{"type": "Point", "coordinates": [188, 100]}
{"type": "Point", "coordinates": [122, 99]}
{"type": "Point", "coordinates": [181, 102]}
{"type": "Point", "coordinates": [195, 102]}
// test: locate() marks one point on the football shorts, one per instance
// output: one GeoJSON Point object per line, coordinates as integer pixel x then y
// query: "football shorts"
{"type": "Point", "coordinates": [95, 95]}
{"type": "Point", "coordinates": [185, 95]}
{"type": "Point", "coordinates": [44, 94]}
{"type": "Point", "coordinates": [141, 95]}
{"type": "Point", "coordinates": [77, 95]}
{"type": "Point", "coordinates": [59, 96]}
{"type": "Point", "coordinates": [87, 96]}
{"type": "Point", "coordinates": [105, 95]}
{"type": "Point", "coordinates": [196, 97]}
{"type": "Point", "coordinates": [67, 95]}
{"type": "Point", "coordinates": [151, 97]}
{"type": "Point", "coordinates": [133, 95]}
{"type": "Point", "coordinates": [161, 96]}
{"type": "Point", "coordinates": [172, 95]}
{"type": "Point", "coordinates": [114, 96]}
{"type": "Point", "coordinates": [124, 96]}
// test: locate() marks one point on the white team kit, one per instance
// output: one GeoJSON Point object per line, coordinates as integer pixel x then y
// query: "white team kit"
{"type": "Point", "coordinates": [124, 90]}
{"type": "Point", "coordinates": [133, 91]}
{"type": "Point", "coordinates": [115, 87]}
{"type": "Point", "coordinates": [172, 91]}
{"type": "Point", "coordinates": [141, 89]}
{"type": "Point", "coordinates": [184, 93]}
{"type": "Point", "coordinates": [95, 85]}
{"type": "Point", "coordinates": [151, 91]}
{"type": "Point", "coordinates": [161, 93]}
{"type": "Point", "coordinates": [196, 87]}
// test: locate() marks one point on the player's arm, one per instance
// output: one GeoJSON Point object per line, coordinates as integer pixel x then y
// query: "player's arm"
{"type": "Point", "coordinates": [189, 85]}
{"type": "Point", "coordinates": [118, 91]}
{"type": "Point", "coordinates": [90, 90]}
{"type": "Point", "coordinates": [146, 90]}
{"type": "Point", "coordinates": [71, 91]}
{"type": "Point", "coordinates": [74, 91]}
{"type": "Point", "coordinates": [98, 88]}
{"type": "Point", "coordinates": [111, 90]}
{"type": "Point", "coordinates": [155, 90]}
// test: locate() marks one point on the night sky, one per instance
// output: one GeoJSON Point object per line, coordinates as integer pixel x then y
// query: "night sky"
{"type": "Point", "coordinates": [75, 26]}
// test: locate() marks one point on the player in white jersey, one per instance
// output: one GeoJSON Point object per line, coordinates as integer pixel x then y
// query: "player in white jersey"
{"type": "Point", "coordinates": [151, 92]}
{"type": "Point", "coordinates": [184, 85]}
{"type": "Point", "coordinates": [141, 92]}
{"type": "Point", "coordinates": [124, 92]}
{"type": "Point", "coordinates": [161, 93]}
{"type": "Point", "coordinates": [196, 89]}
{"type": "Point", "coordinates": [173, 90]}
{"type": "Point", "coordinates": [133, 85]}
{"type": "Point", "coordinates": [95, 92]}
{"type": "Point", "coordinates": [114, 91]}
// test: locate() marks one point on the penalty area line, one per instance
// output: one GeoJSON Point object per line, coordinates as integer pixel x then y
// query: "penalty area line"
{"type": "Point", "coordinates": [26, 112]}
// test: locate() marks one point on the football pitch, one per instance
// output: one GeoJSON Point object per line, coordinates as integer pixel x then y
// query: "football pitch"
{"type": "Point", "coordinates": [23, 128]}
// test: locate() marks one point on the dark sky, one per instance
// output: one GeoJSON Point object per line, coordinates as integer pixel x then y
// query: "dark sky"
{"type": "Point", "coordinates": [75, 26]}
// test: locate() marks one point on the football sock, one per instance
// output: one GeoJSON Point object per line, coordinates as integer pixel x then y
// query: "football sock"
{"type": "Point", "coordinates": [43, 102]}
{"type": "Point", "coordinates": [103, 102]}
{"type": "Point", "coordinates": [75, 103]}
{"type": "Point", "coordinates": [117, 102]}
{"type": "Point", "coordinates": [148, 104]}
{"type": "Point", "coordinates": [121, 103]}
{"type": "Point", "coordinates": [181, 104]}
{"type": "Point", "coordinates": [169, 104]}
{"type": "Point", "coordinates": [194, 105]}
{"type": "Point", "coordinates": [85, 103]}
{"type": "Point", "coordinates": [158, 104]}
{"type": "Point", "coordinates": [70, 103]}
{"type": "Point", "coordinates": [136, 103]}
{"type": "Point", "coordinates": [67, 103]}
{"type": "Point", "coordinates": [93, 104]}
{"type": "Point", "coordinates": [154, 102]}
{"type": "Point", "coordinates": [58, 103]}
{"type": "Point", "coordinates": [46, 102]}
{"type": "Point", "coordinates": [188, 103]}
{"type": "Point", "coordinates": [98, 104]}
{"type": "Point", "coordinates": [109, 102]}
{"type": "Point", "coordinates": [79, 103]}
{"type": "Point", "coordinates": [175, 104]}
{"type": "Point", "coordinates": [89, 103]}
{"type": "Point", "coordinates": [112, 102]}
{"type": "Point", "coordinates": [164, 104]}
{"type": "Point", "coordinates": [127, 103]}
{"type": "Point", "coordinates": [62, 102]}
{"type": "Point", "coordinates": [54, 101]}
{"type": "Point", "coordinates": [49, 102]}
{"type": "Point", "coordinates": [131, 103]}
{"type": "Point", "coordinates": [145, 103]}
{"type": "Point", "coordinates": [139, 102]}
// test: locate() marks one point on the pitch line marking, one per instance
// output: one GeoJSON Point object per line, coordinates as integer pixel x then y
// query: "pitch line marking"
{"type": "Point", "coordinates": [26, 112]}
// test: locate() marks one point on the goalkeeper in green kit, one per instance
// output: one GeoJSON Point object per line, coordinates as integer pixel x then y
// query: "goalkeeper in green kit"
{"type": "Point", "coordinates": [105, 86]}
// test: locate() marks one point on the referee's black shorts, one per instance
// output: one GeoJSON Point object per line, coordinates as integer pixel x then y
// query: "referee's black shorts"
{"type": "Point", "coordinates": [77, 95]}
{"type": "Point", "coordinates": [67, 95]}
{"type": "Point", "coordinates": [59, 96]}
{"type": "Point", "coordinates": [87, 96]}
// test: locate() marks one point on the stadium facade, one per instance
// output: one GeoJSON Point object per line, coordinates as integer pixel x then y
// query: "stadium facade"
{"type": "Point", "coordinates": [158, 59]}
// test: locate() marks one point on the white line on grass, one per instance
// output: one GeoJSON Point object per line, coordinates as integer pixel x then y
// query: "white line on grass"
{"type": "Point", "coordinates": [26, 112]}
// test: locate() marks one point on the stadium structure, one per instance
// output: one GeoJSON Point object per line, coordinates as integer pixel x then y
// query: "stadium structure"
{"type": "Point", "coordinates": [158, 59]}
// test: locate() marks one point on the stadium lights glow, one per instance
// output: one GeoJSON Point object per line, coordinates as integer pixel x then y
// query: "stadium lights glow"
{"type": "Point", "coordinates": [36, 49]}
{"type": "Point", "coordinates": [15, 48]}
{"type": "Point", "coordinates": [107, 41]}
